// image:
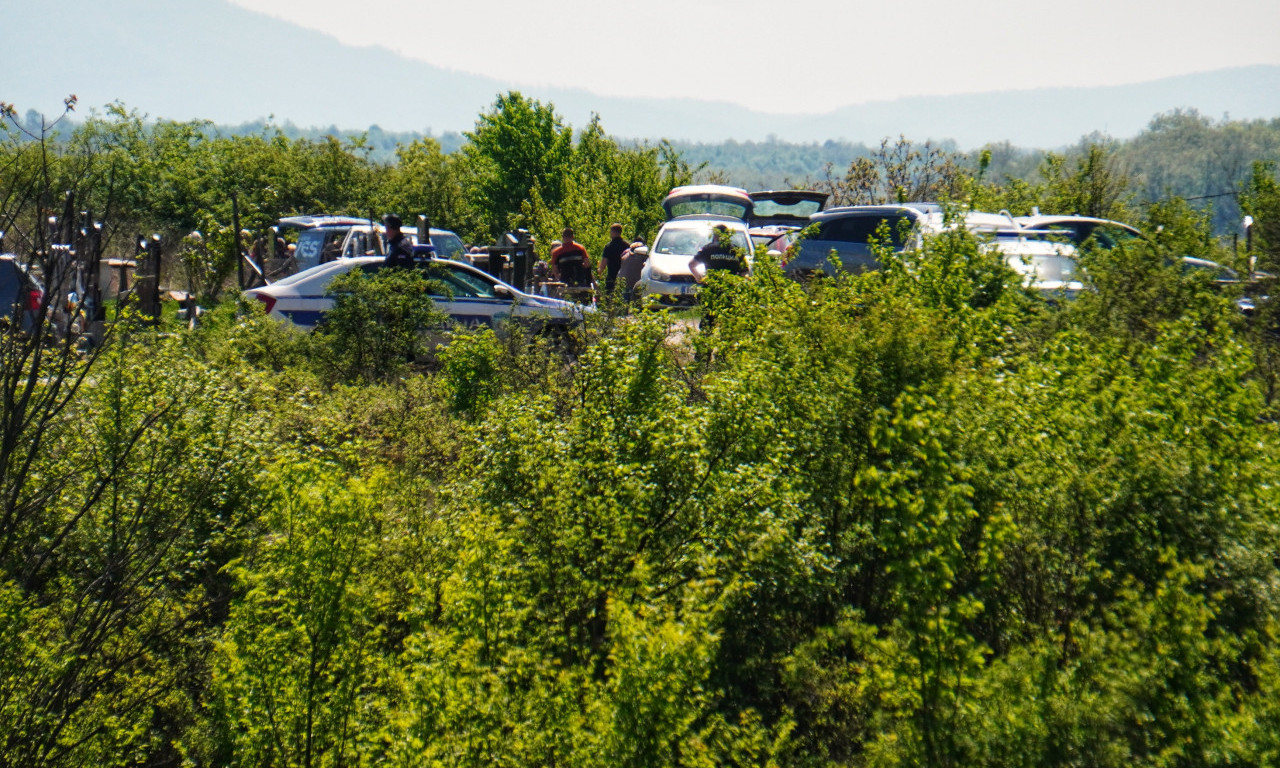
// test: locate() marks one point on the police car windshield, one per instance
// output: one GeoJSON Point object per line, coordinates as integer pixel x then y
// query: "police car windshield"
{"type": "Point", "coordinates": [448, 246]}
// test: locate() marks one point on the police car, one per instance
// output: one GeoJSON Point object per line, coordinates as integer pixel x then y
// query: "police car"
{"type": "Point", "coordinates": [323, 238]}
{"type": "Point", "coordinates": [468, 296]}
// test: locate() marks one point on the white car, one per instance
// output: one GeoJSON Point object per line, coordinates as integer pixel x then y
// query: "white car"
{"type": "Point", "coordinates": [666, 275]}
{"type": "Point", "coordinates": [693, 212]}
{"type": "Point", "coordinates": [476, 299]}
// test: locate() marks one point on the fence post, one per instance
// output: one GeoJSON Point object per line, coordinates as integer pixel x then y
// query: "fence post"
{"type": "Point", "coordinates": [149, 283]}
{"type": "Point", "coordinates": [156, 252]}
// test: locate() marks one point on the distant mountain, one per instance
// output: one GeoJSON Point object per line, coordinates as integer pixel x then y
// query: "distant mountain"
{"type": "Point", "coordinates": [238, 66]}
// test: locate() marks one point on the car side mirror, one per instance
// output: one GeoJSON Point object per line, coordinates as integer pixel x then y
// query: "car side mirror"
{"type": "Point", "coordinates": [774, 254]}
{"type": "Point", "coordinates": [641, 251]}
{"type": "Point", "coordinates": [502, 291]}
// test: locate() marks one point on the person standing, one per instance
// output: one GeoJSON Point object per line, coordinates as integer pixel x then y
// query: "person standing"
{"type": "Point", "coordinates": [611, 257]}
{"type": "Point", "coordinates": [570, 262]}
{"type": "Point", "coordinates": [718, 253]}
{"type": "Point", "coordinates": [632, 264]}
{"type": "Point", "coordinates": [399, 247]}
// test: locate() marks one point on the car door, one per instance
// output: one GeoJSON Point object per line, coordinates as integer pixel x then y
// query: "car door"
{"type": "Point", "coordinates": [850, 236]}
{"type": "Point", "coordinates": [470, 298]}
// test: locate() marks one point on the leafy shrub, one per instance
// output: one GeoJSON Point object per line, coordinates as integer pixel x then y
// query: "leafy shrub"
{"type": "Point", "coordinates": [379, 324]}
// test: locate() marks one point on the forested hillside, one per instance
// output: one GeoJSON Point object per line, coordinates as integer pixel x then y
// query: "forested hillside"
{"type": "Point", "coordinates": [916, 516]}
{"type": "Point", "coordinates": [1180, 154]}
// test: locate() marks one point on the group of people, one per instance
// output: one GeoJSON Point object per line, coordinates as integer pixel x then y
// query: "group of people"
{"type": "Point", "coordinates": [571, 264]}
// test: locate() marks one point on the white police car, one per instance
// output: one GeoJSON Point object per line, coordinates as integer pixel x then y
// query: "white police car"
{"type": "Point", "coordinates": [474, 298]}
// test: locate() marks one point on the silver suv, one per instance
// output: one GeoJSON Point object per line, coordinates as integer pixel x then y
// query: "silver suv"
{"type": "Point", "coordinates": [850, 230]}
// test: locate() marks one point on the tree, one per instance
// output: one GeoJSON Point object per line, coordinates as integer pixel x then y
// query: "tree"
{"type": "Point", "coordinates": [1261, 200]}
{"type": "Point", "coordinates": [607, 183]}
{"type": "Point", "coordinates": [900, 172]}
{"type": "Point", "coordinates": [518, 146]}
{"type": "Point", "coordinates": [124, 486]}
{"type": "Point", "coordinates": [1098, 186]}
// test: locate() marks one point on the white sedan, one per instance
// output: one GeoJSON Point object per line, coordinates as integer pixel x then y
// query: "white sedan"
{"type": "Point", "coordinates": [474, 298]}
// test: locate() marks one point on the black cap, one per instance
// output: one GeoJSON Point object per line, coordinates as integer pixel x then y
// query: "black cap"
{"type": "Point", "coordinates": [391, 220]}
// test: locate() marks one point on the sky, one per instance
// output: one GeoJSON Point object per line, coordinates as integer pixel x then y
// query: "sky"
{"type": "Point", "coordinates": [805, 56]}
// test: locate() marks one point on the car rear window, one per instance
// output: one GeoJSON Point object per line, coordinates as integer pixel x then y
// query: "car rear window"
{"type": "Point", "coordinates": [862, 229]}
{"type": "Point", "coordinates": [307, 274]}
{"type": "Point", "coordinates": [715, 207]}
{"type": "Point", "coordinates": [461, 282]}
{"type": "Point", "coordinates": [795, 207]}
{"type": "Point", "coordinates": [453, 282]}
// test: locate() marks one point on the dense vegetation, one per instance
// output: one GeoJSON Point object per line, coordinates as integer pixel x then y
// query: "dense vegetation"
{"type": "Point", "coordinates": [917, 516]}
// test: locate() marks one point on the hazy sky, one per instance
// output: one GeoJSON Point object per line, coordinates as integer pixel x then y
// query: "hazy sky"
{"type": "Point", "coordinates": [805, 55]}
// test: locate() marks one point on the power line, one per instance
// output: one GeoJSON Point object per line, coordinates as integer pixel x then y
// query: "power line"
{"type": "Point", "coordinates": [1207, 197]}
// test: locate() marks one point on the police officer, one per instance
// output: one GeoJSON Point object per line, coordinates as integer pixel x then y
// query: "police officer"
{"type": "Point", "coordinates": [718, 253]}
{"type": "Point", "coordinates": [399, 246]}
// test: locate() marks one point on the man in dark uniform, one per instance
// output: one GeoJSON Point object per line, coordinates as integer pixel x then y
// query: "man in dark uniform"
{"type": "Point", "coordinates": [718, 253]}
{"type": "Point", "coordinates": [399, 246]}
{"type": "Point", "coordinates": [611, 257]}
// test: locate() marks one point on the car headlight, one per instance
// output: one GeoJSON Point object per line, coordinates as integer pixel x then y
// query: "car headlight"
{"type": "Point", "coordinates": [659, 275]}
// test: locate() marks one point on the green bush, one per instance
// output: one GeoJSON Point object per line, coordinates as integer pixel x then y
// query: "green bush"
{"type": "Point", "coordinates": [378, 325]}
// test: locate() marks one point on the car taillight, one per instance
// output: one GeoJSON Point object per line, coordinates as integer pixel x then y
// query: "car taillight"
{"type": "Point", "coordinates": [267, 301]}
{"type": "Point", "coordinates": [35, 298]}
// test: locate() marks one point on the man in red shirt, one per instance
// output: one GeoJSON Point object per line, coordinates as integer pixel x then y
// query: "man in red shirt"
{"type": "Point", "coordinates": [570, 263]}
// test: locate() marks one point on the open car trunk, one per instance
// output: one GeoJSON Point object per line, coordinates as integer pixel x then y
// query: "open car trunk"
{"type": "Point", "coordinates": [713, 199]}
{"type": "Point", "coordinates": [788, 207]}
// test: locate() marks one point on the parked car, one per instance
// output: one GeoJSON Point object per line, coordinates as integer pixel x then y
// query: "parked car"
{"type": "Point", "coordinates": [848, 231]}
{"type": "Point", "coordinates": [777, 216]}
{"type": "Point", "coordinates": [1078, 229]}
{"type": "Point", "coordinates": [475, 298]}
{"type": "Point", "coordinates": [773, 238]}
{"type": "Point", "coordinates": [1069, 233]}
{"type": "Point", "coordinates": [693, 213]}
{"type": "Point", "coordinates": [1046, 263]}
{"type": "Point", "coordinates": [666, 275]}
{"type": "Point", "coordinates": [323, 238]}
{"type": "Point", "coordinates": [21, 295]}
